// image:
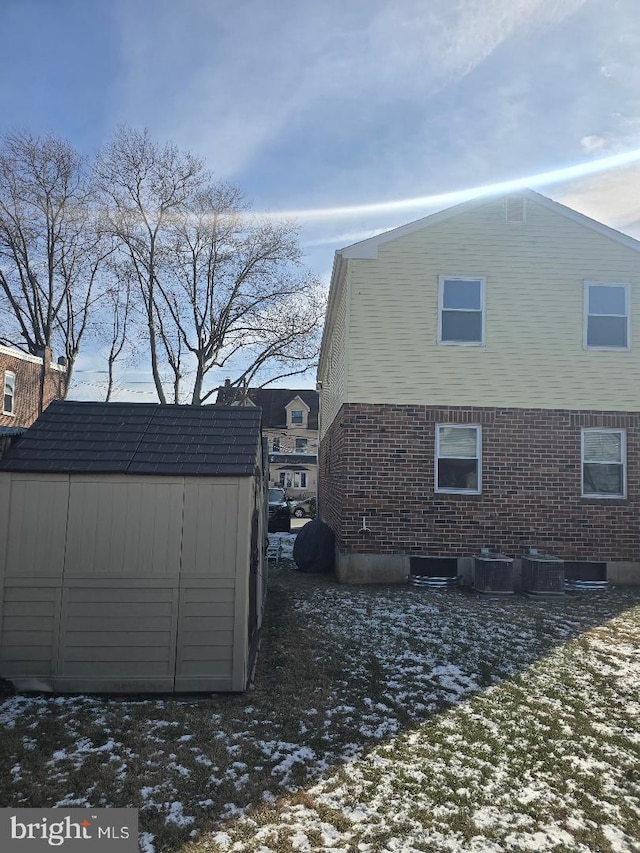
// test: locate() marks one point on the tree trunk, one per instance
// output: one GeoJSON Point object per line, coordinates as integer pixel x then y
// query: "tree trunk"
{"type": "Point", "coordinates": [46, 361]}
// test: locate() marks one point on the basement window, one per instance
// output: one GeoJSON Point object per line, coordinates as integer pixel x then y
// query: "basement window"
{"type": "Point", "coordinates": [603, 463]}
{"type": "Point", "coordinates": [458, 450]}
{"type": "Point", "coordinates": [606, 321]}
{"type": "Point", "coordinates": [9, 393]}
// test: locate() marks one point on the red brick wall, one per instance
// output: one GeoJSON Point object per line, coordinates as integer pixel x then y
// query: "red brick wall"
{"type": "Point", "coordinates": [27, 389]}
{"type": "Point", "coordinates": [378, 461]}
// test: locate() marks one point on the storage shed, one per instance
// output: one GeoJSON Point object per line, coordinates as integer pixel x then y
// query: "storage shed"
{"type": "Point", "coordinates": [132, 549]}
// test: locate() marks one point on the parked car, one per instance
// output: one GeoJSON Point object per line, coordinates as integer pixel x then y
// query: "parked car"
{"type": "Point", "coordinates": [304, 509]}
{"type": "Point", "coordinates": [279, 513]}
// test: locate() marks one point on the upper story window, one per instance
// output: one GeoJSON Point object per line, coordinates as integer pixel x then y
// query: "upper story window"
{"type": "Point", "coordinates": [461, 310]}
{"type": "Point", "coordinates": [606, 321]}
{"type": "Point", "coordinates": [297, 417]}
{"type": "Point", "coordinates": [9, 393]}
{"type": "Point", "coordinates": [458, 452]}
{"type": "Point", "coordinates": [603, 463]}
{"type": "Point", "coordinates": [301, 445]}
{"type": "Point", "coordinates": [275, 445]}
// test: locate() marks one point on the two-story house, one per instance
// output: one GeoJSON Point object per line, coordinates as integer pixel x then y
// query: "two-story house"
{"type": "Point", "coordinates": [480, 387]}
{"type": "Point", "coordinates": [27, 386]}
{"type": "Point", "coordinates": [290, 426]}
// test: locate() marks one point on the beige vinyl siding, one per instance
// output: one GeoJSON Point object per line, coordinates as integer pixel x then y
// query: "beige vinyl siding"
{"type": "Point", "coordinates": [534, 355]}
{"type": "Point", "coordinates": [333, 392]}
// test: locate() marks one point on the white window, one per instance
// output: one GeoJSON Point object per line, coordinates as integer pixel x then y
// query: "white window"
{"type": "Point", "coordinates": [275, 445]}
{"type": "Point", "coordinates": [301, 445]}
{"type": "Point", "coordinates": [296, 416]}
{"type": "Point", "coordinates": [293, 479]}
{"type": "Point", "coordinates": [458, 457]}
{"type": "Point", "coordinates": [461, 310]}
{"type": "Point", "coordinates": [606, 320]}
{"type": "Point", "coordinates": [9, 392]}
{"type": "Point", "coordinates": [603, 463]}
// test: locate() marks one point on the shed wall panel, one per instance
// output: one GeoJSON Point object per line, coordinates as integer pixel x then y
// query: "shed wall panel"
{"type": "Point", "coordinates": [28, 639]}
{"type": "Point", "coordinates": [128, 635]}
{"type": "Point", "coordinates": [36, 529]}
{"type": "Point", "coordinates": [124, 526]}
{"type": "Point", "coordinates": [144, 593]}
{"type": "Point", "coordinates": [210, 528]}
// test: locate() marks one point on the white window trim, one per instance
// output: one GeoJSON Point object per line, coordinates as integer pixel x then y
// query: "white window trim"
{"type": "Point", "coordinates": [586, 315]}
{"type": "Point", "coordinates": [623, 448]}
{"type": "Point", "coordinates": [441, 281]}
{"type": "Point", "coordinates": [478, 456]}
{"type": "Point", "coordinates": [12, 413]}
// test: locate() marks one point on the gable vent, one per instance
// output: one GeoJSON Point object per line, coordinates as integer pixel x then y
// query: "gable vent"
{"type": "Point", "coordinates": [515, 209]}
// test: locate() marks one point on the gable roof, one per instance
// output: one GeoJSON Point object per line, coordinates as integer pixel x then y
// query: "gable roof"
{"type": "Point", "coordinates": [273, 402]}
{"type": "Point", "coordinates": [369, 248]}
{"type": "Point", "coordinates": [139, 438]}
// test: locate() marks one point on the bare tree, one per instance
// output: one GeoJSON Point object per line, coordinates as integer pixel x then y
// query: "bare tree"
{"type": "Point", "coordinates": [143, 186]}
{"type": "Point", "coordinates": [116, 325]}
{"type": "Point", "coordinates": [220, 288]}
{"type": "Point", "coordinates": [247, 302]}
{"type": "Point", "coordinates": [50, 248]}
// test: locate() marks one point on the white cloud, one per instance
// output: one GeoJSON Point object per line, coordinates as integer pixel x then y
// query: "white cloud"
{"type": "Point", "coordinates": [255, 69]}
{"type": "Point", "coordinates": [592, 144]}
{"type": "Point", "coordinates": [612, 198]}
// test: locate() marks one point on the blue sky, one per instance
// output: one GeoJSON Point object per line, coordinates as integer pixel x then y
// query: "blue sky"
{"type": "Point", "coordinates": [354, 104]}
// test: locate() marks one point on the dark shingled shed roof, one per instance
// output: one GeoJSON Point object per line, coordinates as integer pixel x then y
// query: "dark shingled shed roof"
{"type": "Point", "coordinates": [139, 438]}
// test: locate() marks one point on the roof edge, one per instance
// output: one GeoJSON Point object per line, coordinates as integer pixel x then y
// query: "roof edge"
{"type": "Point", "coordinates": [368, 249]}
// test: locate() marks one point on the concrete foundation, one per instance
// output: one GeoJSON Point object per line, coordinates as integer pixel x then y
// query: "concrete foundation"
{"type": "Point", "coordinates": [624, 573]}
{"type": "Point", "coordinates": [394, 568]}
{"type": "Point", "coordinates": [371, 568]}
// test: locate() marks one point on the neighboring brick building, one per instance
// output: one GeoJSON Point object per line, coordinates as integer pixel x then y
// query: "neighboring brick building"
{"type": "Point", "coordinates": [480, 386]}
{"type": "Point", "coordinates": [290, 426]}
{"type": "Point", "coordinates": [21, 382]}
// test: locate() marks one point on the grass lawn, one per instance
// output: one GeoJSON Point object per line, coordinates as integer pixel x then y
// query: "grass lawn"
{"type": "Point", "coordinates": [388, 718]}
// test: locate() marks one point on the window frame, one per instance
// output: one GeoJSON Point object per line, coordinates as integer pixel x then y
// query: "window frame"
{"type": "Point", "coordinates": [441, 283]}
{"type": "Point", "coordinates": [299, 423]}
{"type": "Point", "coordinates": [298, 440]}
{"type": "Point", "coordinates": [586, 315]}
{"type": "Point", "coordinates": [10, 412]}
{"type": "Point", "coordinates": [623, 453]}
{"type": "Point", "coordinates": [478, 458]}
